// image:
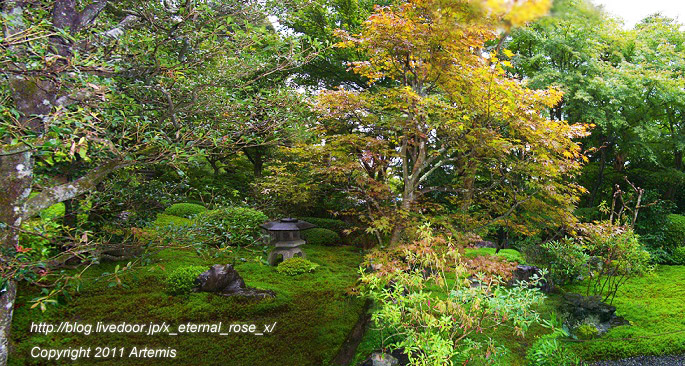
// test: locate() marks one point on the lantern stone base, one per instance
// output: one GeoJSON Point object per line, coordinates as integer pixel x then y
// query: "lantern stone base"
{"type": "Point", "coordinates": [285, 253]}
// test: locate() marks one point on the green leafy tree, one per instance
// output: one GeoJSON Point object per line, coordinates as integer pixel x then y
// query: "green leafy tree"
{"type": "Point", "coordinates": [95, 87]}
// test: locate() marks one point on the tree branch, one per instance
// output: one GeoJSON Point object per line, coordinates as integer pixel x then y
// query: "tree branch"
{"type": "Point", "coordinates": [63, 192]}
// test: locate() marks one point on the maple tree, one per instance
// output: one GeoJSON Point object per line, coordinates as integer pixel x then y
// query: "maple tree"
{"type": "Point", "coordinates": [441, 104]}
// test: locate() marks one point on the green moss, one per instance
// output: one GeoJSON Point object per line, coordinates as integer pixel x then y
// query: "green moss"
{"type": "Point", "coordinates": [512, 255]}
{"type": "Point", "coordinates": [53, 212]}
{"type": "Point", "coordinates": [187, 210]}
{"type": "Point", "coordinates": [654, 305]}
{"type": "Point", "coordinates": [295, 266]}
{"type": "Point", "coordinates": [586, 331]}
{"type": "Point", "coordinates": [164, 220]}
{"type": "Point", "coordinates": [313, 312]}
{"type": "Point", "coordinates": [182, 279]}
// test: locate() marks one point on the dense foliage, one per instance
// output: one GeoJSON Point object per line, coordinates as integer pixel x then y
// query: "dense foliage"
{"type": "Point", "coordinates": [230, 226]}
{"type": "Point", "coordinates": [427, 304]}
{"type": "Point", "coordinates": [615, 255]}
{"type": "Point", "coordinates": [321, 236]}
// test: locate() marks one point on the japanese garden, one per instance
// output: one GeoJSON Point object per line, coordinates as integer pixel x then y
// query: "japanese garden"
{"type": "Point", "coordinates": [341, 182]}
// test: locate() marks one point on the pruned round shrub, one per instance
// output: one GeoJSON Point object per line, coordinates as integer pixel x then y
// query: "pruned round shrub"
{"type": "Point", "coordinates": [295, 266]}
{"type": "Point", "coordinates": [675, 231]}
{"type": "Point", "coordinates": [678, 256]}
{"type": "Point", "coordinates": [187, 210]}
{"type": "Point", "coordinates": [230, 226]}
{"type": "Point", "coordinates": [182, 280]}
{"type": "Point", "coordinates": [320, 236]}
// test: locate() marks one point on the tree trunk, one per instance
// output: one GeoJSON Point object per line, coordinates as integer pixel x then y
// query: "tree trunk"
{"type": "Point", "coordinates": [600, 176]}
{"type": "Point", "coordinates": [396, 233]}
{"type": "Point", "coordinates": [70, 213]}
{"type": "Point", "coordinates": [16, 170]}
{"type": "Point", "coordinates": [678, 156]}
{"type": "Point", "coordinates": [408, 198]}
{"type": "Point", "coordinates": [214, 164]}
{"type": "Point", "coordinates": [34, 97]}
{"type": "Point", "coordinates": [256, 156]}
{"type": "Point", "coordinates": [7, 299]}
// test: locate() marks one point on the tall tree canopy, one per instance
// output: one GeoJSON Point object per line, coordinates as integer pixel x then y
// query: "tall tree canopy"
{"type": "Point", "coordinates": [446, 105]}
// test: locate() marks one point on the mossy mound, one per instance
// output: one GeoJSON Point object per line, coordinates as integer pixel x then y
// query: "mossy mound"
{"type": "Point", "coordinates": [187, 210]}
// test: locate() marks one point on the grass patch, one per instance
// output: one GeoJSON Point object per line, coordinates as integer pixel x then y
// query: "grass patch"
{"type": "Point", "coordinates": [313, 313]}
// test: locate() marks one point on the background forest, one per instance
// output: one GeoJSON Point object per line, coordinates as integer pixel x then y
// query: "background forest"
{"type": "Point", "coordinates": [137, 134]}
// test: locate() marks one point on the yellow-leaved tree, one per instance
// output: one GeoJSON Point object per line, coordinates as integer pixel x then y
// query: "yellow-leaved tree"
{"type": "Point", "coordinates": [442, 121]}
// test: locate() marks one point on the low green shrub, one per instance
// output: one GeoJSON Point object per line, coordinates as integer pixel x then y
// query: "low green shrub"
{"type": "Point", "coordinates": [187, 210]}
{"type": "Point", "coordinates": [565, 259]}
{"type": "Point", "coordinates": [320, 236]}
{"type": "Point", "coordinates": [295, 266]}
{"type": "Point", "coordinates": [230, 226]}
{"type": "Point", "coordinates": [586, 331]}
{"type": "Point", "coordinates": [616, 255]}
{"type": "Point", "coordinates": [182, 280]}
{"type": "Point", "coordinates": [338, 226]}
{"type": "Point", "coordinates": [678, 255]}
{"type": "Point", "coordinates": [675, 231]}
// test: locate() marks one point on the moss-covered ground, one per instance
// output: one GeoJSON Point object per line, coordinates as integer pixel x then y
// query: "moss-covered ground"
{"type": "Point", "coordinates": [313, 311]}
{"type": "Point", "coordinates": [655, 306]}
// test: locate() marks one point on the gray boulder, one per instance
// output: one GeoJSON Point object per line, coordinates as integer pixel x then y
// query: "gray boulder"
{"type": "Point", "coordinates": [225, 280]}
{"type": "Point", "coordinates": [581, 308]}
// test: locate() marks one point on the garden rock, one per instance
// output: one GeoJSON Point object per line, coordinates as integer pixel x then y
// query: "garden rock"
{"type": "Point", "coordinates": [525, 273]}
{"type": "Point", "coordinates": [226, 281]}
{"type": "Point", "coordinates": [580, 308]}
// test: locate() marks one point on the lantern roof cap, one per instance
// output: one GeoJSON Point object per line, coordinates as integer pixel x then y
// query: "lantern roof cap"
{"type": "Point", "coordinates": [287, 224]}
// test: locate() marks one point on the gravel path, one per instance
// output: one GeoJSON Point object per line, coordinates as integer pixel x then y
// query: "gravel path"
{"type": "Point", "coordinates": [645, 361]}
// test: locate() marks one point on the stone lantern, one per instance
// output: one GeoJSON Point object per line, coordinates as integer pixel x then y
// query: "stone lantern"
{"type": "Point", "coordinates": [285, 236]}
